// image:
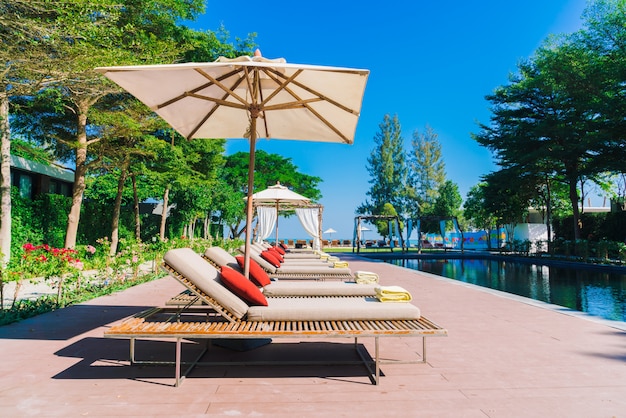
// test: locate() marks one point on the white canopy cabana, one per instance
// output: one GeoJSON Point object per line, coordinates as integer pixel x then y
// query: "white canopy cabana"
{"type": "Point", "coordinates": [271, 201]}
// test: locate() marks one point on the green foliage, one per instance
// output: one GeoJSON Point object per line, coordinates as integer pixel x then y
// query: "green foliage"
{"type": "Point", "coordinates": [382, 226]}
{"type": "Point", "coordinates": [426, 172]}
{"type": "Point", "coordinates": [561, 117]}
{"type": "Point", "coordinates": [387, 169]}
{"type": "Point", "coordinates": [595, 227]}
{"type": "Point", "coordinates": [475, 209]}
{"type": "Point", "coordinates": [23, 223]}
{"type": "Point", "coordinates": [52, 210]}
{"type": "Point", "coordinates": [270, 169]}
{"type": "Point", "coordinates": [449, 201]}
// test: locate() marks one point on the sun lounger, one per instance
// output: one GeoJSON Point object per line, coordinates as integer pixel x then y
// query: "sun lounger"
{"type": "Point", "coordinates": [219, 257]}
{"type": "Point", "coordinates": [233, 318]}
{"type": "Point", "coordinates": [301, 272]}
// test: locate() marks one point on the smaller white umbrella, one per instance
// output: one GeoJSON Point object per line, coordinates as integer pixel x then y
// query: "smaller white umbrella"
{"type": "Point", "coordinates": [330, 231]}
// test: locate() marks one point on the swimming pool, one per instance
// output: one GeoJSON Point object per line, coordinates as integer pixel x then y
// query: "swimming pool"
{"type": "Point", "coordinates": [590, 289]}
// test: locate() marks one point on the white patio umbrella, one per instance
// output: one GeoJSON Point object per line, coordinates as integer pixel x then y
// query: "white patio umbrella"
{"type": "Point", "coordinates": [330, 232]}
{"type": "Point", "coordinates": [279, 195]}
{"type": "Point", "coordinates": [226, 99]}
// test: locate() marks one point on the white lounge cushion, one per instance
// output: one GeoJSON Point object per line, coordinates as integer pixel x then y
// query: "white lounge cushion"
{"type": "Point", "coordinates": [331, 309]}
{"type": "Point", "coordinates": [315, 288]}
{"type": "Point", "coordinates": [206, 278]}
{"type": "Point", "coordinates": [221, 257]}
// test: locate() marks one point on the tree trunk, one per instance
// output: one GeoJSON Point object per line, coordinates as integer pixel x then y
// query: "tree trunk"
{"type": "Point", "coordinates": [5, 186]}
{"type": "Point", "coordinates": [136, 209]}
{"type": "Point", "coordinates": [573, 196]}
{"type": "Point", "coordinates": [549, 215]}
{"type": "Point", "coordinates": [73, 219]}
{"type": "Point", "coordinates": [207, 226]}
{"type": "Point", "coordinates": [166, 200]}
{"type": "Point", "coordinates": [115, 222]}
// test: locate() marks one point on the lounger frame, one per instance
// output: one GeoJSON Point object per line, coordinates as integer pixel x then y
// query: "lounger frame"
{"type": "Point", "coordinates": [221, 324]}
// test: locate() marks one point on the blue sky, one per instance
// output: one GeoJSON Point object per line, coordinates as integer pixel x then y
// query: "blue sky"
{"type": "Point", "coordinates": [431, 63]}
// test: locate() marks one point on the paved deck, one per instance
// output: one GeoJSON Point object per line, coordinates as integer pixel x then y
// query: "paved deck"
{"type": "Point", "coordinates": [504, 357]}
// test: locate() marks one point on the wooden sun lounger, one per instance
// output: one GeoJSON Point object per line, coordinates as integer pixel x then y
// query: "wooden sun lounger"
{"type": "Point", "coordinates": [219, 323]}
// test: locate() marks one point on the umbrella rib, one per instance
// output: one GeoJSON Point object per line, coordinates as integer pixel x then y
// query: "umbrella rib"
{"type": "Point", "coordinates": [304, 103]}
{"type": "Point", "coordinates": [292, 80]}
{"type": "Point", "coordinates": [301, 102]}
{"type": "Point", "coordinates": [194, 90]}
{"type": "Point", "coordinates": [217, 102]}
{"type": "Point", "coordinates": [226, 89]}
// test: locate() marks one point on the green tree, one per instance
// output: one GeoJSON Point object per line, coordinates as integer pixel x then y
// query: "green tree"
{"type": "Point", "coordinates": [561, 118]}
{"type": "Point", "coordinates": [448, 201]}
{"type": "Point", "coordinates": [506, 196]}
{"type": "Point", "coordinates": [387, 169]}
{"type": "Point", "coordinates": [270, 169]}
{"type": "Point", "coordinates": [89, 34]}
{"type": "Point", "coordinates": [475, 210]}
{"type": "Point", "coordinates": [382, 226]}
{"type": "Point", "coordinates": [126, 126]}
{"type": "Point", "coordinates": [426, 172]}
{"type": "Point", "coordinates": [24, 28]}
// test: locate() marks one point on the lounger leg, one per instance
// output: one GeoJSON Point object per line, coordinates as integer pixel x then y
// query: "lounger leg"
{"type": "Point", "coordinates": [178, 349]}
{"type": "Point", "coordinates": [132, 351]}
{"type": "Point", "coordinates": [377, 378]}
{"type": "Point", "coordinates": [424, 349]}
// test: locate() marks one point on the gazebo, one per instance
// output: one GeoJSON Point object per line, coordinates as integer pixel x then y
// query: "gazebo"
{"type": "Point", "coordinates": [269, 203]}
{"type": "Point", "coordinates": [394, 222]}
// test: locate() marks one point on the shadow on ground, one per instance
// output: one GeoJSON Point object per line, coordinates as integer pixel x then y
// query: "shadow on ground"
{"type": "Point", "coordinates": [68, 322]}
{"type": "Point", "coordinates": [103, 358]}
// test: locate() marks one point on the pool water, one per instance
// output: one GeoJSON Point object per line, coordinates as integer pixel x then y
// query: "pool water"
{"type": "Point", "coordinates": [597, 292]}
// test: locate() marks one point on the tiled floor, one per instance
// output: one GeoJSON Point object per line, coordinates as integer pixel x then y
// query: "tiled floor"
{"type": "Point", "coordinates": [503, 357]}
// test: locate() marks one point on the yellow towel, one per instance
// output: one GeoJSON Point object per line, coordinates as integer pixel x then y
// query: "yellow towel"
{"type": "Point", "coordinates": [365, 277]}
{"type": "Point", "coordinates": [392, 294]}
{"type": "Point", "coordinates": [339, 264]}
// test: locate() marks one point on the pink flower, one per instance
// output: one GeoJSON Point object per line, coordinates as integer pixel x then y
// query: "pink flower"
{"type": "Point", "coordinates": [91, 249]}
{"type": "Point", "coordinates": [135, 259]}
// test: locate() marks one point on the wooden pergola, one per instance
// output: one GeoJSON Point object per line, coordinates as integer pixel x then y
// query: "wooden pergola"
{"type": "Point", "coordinates": [356, 242]}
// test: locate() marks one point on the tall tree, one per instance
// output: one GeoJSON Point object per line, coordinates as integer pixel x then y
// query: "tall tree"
{"type": "Point", "coordinates": [561, 118]}
{"type": "Point", "coordinates": [24, 30]}
{"type": "Point", "coordinates": [426, 172]}
{"type": "Point", "coordinates": [387, 168]}
{"type": "Point", "coordinates": [126, 125]}
{"type": "Point", "coordinates": [92, 33]}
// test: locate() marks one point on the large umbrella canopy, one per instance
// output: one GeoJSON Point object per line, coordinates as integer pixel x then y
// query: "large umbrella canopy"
{"type": "Point", "coordinates": [279, 194]}
{"type": "Point", "coordinates": [226, 99]}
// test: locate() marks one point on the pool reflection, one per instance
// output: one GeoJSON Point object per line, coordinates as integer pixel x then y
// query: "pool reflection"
{"type": "Point", "coordinates": [595, 292]}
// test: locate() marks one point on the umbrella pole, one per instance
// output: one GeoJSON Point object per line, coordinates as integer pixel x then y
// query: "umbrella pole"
{"type": "Point", "coordinates": [246, 266]}
{"type": "Point", "coordinates": [276, 243]}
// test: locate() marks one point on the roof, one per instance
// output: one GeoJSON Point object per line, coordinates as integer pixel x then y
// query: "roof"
{"type": "Point", "coordinates": [39, 168]}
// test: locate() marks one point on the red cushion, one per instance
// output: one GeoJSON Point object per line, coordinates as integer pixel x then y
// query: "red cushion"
{"type": "Point", "coordinates": [280, 250]}
{"type": "Point", "coordinates": [257, 274]}
{"type": "Point", "coordinates": [269, 257]}
{"type": "Point", "coordinates": [276, 254]}
{"type": "Point", "coordinates": [242, 287]}
{"type": "Point", "coordinates": [282, 245]}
